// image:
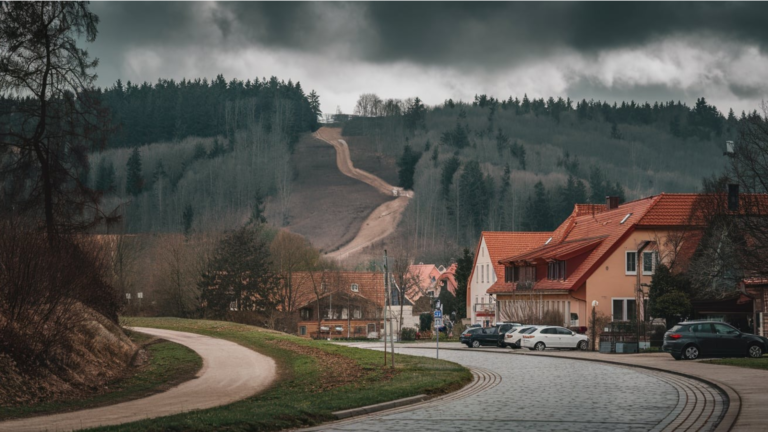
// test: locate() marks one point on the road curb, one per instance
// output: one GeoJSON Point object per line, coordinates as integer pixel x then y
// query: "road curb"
{"type": "Point", "coordinates": [734, 399]}
{"type": "Point", "coordinates": [354, 412]}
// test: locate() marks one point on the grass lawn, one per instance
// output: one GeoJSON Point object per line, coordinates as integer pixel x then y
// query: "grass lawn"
{"type": "Point", "coordinates": [169, 364]}
{"type": "Point", "coordinates": [316, 379]}
{"type": "Point", "coordinates": [753, 363]}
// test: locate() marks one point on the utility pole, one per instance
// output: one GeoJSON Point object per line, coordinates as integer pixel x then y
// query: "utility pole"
{"type": "Point", "coordinates": [384, 325]}
{"type": "Point", "coordinates": [388, 287]}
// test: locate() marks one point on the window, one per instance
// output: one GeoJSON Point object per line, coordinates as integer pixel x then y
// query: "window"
{"type": "Point", "coordinates": [724, 329]}
{"type": "Point", "coordinates": [701, 328]}
{"type": "Point", "coordinates": [624, 309]}
{"type": "Point", "coordinates": [631, 262]}
{"type": "Point", "coordinates": [556, 270]}
{"type": "Point", "coordinates": [649, 262]}
{"type": "Point", "coordinates": [303, 330]}
{"type": "Point", "coordinates": [574, 319]}
{"type": "Point", "coordinates": [357, 314]}
{"type": "Point", "coordinates": [355, 287]}
{"type": "Point", "coordinates": [564, 332]}
{"type": "Point", "coordinates": [625, 218]}
{"type": "Point", "coordinates": [482, 279]}
{"type": "Point", "coordinates": [549, 331]}
{"type": "Point", "coordinates": [371, 328]}
{"type": "Point", "coordinates": [306, 314]}
{"type": "Point", "coordinates": [323, 287]}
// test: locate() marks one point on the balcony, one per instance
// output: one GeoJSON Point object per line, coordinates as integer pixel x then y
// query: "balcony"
{"type": "Point", "coordinates": [485, 308]}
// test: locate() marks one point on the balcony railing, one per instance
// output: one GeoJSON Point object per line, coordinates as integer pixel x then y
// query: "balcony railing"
{"type": "Point", "coordinates": [485, 307]}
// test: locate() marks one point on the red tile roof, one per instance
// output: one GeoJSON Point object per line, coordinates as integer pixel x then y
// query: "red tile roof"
{"type": "Point", "coordinates": [672, 210]}
{"type": "Point", "coordinates": [370, 284]}
{"type": "Point", "coordinates": [502, 244]}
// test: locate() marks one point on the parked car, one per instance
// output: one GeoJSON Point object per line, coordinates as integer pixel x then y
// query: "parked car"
{"type": "Point", "coordinates": [554, 337]}
{"type": "Point", "coordinates": [466, 335]}
{"type": "Point", "coordinates": [512, 338]}
{"type": "Point", "coordinates": [693, 339]}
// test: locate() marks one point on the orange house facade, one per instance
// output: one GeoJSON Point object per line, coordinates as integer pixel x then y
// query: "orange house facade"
{"type": "Point", "coordinates": [603, 255]}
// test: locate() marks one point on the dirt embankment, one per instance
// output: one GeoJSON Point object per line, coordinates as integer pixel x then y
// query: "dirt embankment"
{"type": "Point", "coordinates": [326, 206]}
{"type": "Point", "coordinates": [97, 352]}
{"type": "Point", "coordinates": [384, 219]}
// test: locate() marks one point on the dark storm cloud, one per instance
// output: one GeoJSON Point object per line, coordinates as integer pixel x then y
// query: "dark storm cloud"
{"type": "Point", "coordinates": [434, 33]}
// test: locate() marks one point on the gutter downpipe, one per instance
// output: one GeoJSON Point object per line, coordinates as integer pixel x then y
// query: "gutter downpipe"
{"type": "Point", "coordinates": [638, 292]}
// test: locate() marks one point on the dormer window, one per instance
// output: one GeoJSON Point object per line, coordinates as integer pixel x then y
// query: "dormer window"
{"type": "Point", "coordinates": [355, 287]}
{"type": "Point", "coordinates": [556, 270]}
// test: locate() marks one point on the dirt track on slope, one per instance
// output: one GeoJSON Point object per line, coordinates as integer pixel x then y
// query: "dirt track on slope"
{"type": "Point", "coordinates": [384, 219]}
{"type": "Point", "coordinates": [230, 373]}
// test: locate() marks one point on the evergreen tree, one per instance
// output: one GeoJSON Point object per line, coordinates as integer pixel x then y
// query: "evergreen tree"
{"type": "Point", "coordinates": [257, 217]}
{"type": "Point", "coordinates": [435, 156]}
{"type": "Point", "coordinates": [187, 218]}
{"type": "Point", "coordinates": [407, 167]}
{"type": "Point", "coordinates": [518, 152]}
{"type": "Point", "coordinates": [501, 209]}
{"type": "Point", "coordinates": [474, 197]}
{"type": "Point", "coordinates": [598, 190]}
{"type": "Point", "coordinates": [502, 142]}
{"type": "Point", "coordinates": [415, 116]}
{"type": "Point", "coordinates": [134, 182]}
{"type": "Point", "coordinates": [240, 276]}
{"type": "Point", "coordinates": [463, 271]}
{"type": "Point", "coordinates": [105, 177]}
{"type": "Point", "coordinates": [538, 213]}
{"type": "Point", "coordinates": [669, 295]}
{"type": "Point", "coordinates": [446, 176]}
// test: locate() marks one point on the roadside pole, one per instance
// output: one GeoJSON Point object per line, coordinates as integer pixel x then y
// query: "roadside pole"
{"type": "Point", "coordinates": [386, 301]}
{"type": "Point", "coordinates": [438, 324]}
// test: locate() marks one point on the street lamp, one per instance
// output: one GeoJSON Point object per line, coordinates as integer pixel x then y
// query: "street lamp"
{"type": "Point", "coordinates": [593, 325]}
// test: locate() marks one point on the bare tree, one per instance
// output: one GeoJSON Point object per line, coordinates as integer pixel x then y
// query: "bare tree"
{"type": "Point", "coordinates": [405, 281]}
{"type": "Point", "coordinates": [49, 129]}
{"type": "Point", "coordinates": [291, 253]}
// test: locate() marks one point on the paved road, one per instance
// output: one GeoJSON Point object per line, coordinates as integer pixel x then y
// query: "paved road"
{"type": "Point", "coordinates": [534, 393]}
{"type": "Point", "coordinates": [384, 219]}
{"type": "Point", "coordinates": [230, 373]}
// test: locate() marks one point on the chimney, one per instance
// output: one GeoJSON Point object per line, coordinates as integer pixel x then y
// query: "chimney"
{"type": "Point", "coordinates": [733, 197]}
{"type": "Point", "coordinates": [611, 202]}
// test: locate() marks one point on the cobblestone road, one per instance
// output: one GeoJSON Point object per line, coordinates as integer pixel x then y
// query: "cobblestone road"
{"type": "Point", "coordinates": [548, 394]}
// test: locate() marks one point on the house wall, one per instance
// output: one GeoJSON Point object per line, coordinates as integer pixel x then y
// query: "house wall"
{"type": "Point", "coordinates": [610, 281]}
{"type": "Point", "coordinates": [482, 278]}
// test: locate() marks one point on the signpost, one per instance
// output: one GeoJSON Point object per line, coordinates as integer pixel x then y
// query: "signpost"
{"type": "Point", "coordinates": [438, 324]}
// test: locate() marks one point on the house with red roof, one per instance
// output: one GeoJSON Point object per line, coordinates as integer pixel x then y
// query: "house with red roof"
{"type": "Point", "coordinates": [605, 254]}
{"type": "Point", "coordinates": [487, 270]}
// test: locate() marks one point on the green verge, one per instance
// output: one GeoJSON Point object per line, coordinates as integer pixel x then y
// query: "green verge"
{"type": "Point", "coordinates": [752, 363]}
{"type": "Point", "coordinates": [169, 364]}
{"type": "Point", "coordinates": [304, 394]}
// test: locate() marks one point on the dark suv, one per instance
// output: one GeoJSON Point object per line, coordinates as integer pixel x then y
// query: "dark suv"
{"type": "Point", "coordinates": [487, 336]}
{"type": "Point", "coordinates": [693, 339]}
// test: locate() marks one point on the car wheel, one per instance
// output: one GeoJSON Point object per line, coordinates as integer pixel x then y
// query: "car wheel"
{"type": "Point", "coordinates": [691, 352]}
{"type": "Point", "coordinates": [582, 346]}
{"type": "Point", "coordinates": [475, 344]}
{"type": "Point", "coordinates": [755, 351]}
{"type": "Point", "coordinates": [540, 346]}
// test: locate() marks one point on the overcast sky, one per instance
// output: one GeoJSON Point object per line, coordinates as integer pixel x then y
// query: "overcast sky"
{"type": "Point", "coordinates": [605, 51]}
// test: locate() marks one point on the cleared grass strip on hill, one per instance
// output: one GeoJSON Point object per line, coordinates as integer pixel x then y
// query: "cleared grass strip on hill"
{"type": "Point", "coordinates": [169, 365]}
{"type": "Point", "coordinates": [316, 379]}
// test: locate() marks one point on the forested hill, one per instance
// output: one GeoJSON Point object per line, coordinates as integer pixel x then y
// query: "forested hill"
{"type": "Point", "coordinates": [521, 164]}
{"type": "Point", "coordinates": [199, 155]}
{"type": "Point", "coordinates": [170, 110]}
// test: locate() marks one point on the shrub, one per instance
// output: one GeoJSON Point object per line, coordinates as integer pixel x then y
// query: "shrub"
{"type": "Point", "coordinates": [43, 282]}
{"type": "Point", "coordinates": [425, 322]}
{"type": "Point", "coordinates": [408, 334]}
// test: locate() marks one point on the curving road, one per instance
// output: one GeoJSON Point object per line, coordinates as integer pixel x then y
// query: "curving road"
{"type": "Point", "coordinates": [230, 373]}
{"type": "Point", "coordinates": [517, 392]}
{"type": "Point", "coordinates": [384, 219]}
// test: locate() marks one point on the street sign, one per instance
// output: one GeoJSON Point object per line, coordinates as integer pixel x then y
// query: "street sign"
{"type": "Point", "coordinates": [438, 322]}
{"type": "Point", "coordinates": [438, 314]}
{"type": "Point", "coordinates": [128, 296]}
{"type": "Point", "coordinates": [140, 295]}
